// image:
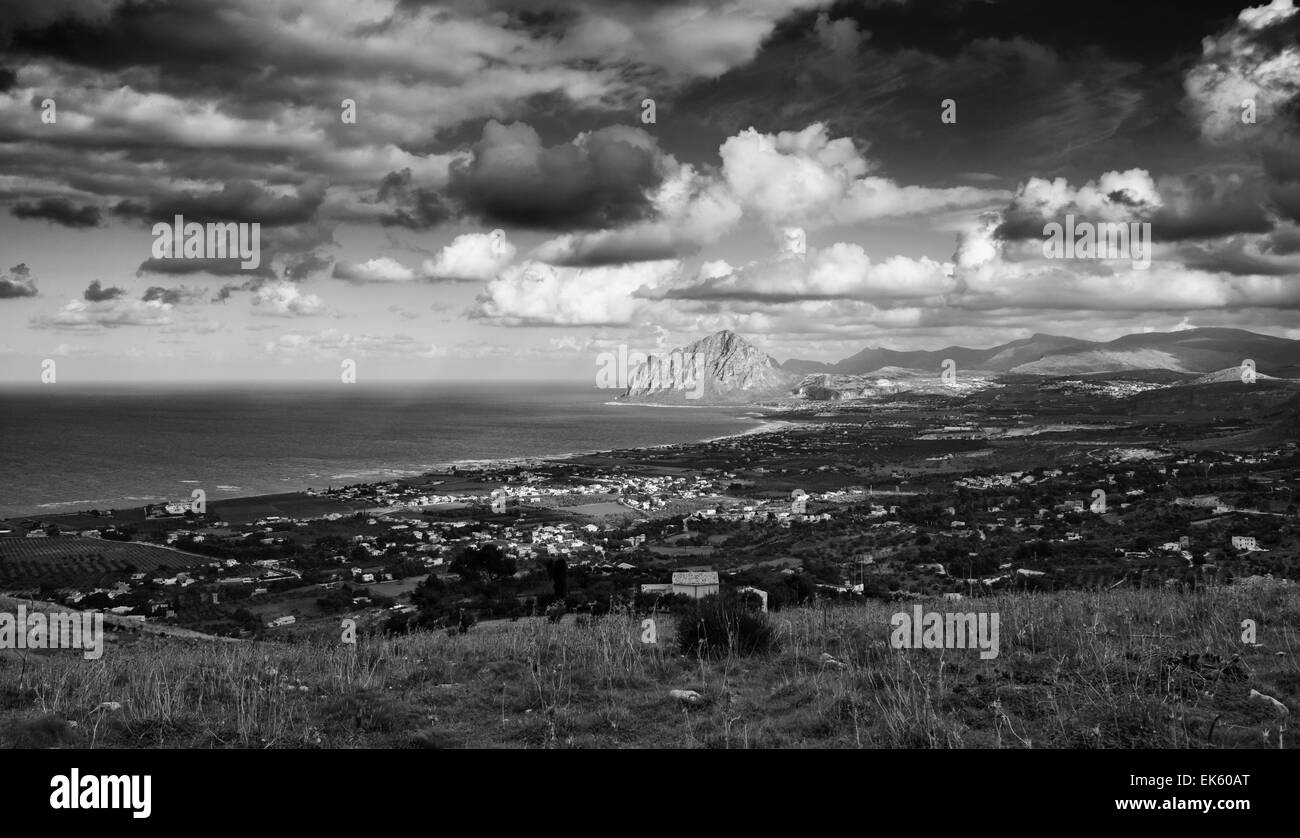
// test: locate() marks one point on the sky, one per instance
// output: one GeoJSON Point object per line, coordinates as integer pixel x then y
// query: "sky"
{"type": "Point", "coordinates": [505, 189]}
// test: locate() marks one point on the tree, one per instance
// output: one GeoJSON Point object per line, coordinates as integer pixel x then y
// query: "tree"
{"type": "Point", "coordinates": [428, 592]}
{"type": "Point", "coordinates": [558, 570]}
{"type": "Point", "coordinates": [246, 619]}
{"type": "Point", "coordinates": [483, 562]}
{"type": "Point", "coordinates": [800, 587]}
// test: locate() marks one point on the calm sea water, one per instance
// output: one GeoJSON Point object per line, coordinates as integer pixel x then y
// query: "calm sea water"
{"type": "Point", "coordinates": [66, 447]}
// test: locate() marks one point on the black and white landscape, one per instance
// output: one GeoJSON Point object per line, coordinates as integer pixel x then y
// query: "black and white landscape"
{"type": "Point", "coordinates": [696, 374]}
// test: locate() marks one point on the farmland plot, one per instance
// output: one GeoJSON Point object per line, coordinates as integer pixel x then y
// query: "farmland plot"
{"type": "Point", "coordinates": [67, 560]}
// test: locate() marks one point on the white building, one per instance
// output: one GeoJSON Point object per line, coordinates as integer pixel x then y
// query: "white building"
{"type": "Point", "coordinates": [697, 584]}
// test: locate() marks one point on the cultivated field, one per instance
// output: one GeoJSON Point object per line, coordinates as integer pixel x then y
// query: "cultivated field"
{"type": "Point", "coordinates": [1125, 669]}
{"type": "Point", "coordinates": [71, 559]}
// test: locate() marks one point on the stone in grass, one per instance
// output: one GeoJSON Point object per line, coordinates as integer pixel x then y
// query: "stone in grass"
{"type": "Point", "coordinates": [1278, 707]}
{"type": "Point", "coordinates": [828, 661]}
{"type": "Point", "coordinates": [686, 696]}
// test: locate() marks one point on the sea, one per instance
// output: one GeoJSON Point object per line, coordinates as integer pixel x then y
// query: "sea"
{"type": "Point", "coordinates": [69, 447]}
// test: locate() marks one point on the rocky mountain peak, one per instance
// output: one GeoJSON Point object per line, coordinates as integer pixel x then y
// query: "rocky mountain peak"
{"type": "Point", "coordinates": [720, 368]}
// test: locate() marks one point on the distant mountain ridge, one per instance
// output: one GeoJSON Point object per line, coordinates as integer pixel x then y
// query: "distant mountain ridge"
{"type": "Point", "coordinates": [724, 368]}
{"type": "Point", "coordinates": [1000, 358]}
{"type": "Point", "coordinates": [1204, 351]}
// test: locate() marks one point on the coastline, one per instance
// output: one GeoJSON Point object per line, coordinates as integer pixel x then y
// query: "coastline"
{"type": "Point", "coordinates": [471, 465]}
{"type": "Point", "coordinates": [484, 464]}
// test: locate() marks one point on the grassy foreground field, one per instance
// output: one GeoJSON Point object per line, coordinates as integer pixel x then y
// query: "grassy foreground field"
{"type": "Point", "coordinates": [1121, 669]}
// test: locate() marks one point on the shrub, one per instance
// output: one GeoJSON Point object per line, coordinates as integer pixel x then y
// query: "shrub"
{"type": "Point", "coordinates": [338, 599]}
{"type": "Point", "coordinates": [48, 731]}
{"type": "Point", "coordinates": [398, 624]}
{"type": "Point", "coordinates": [715, 628]}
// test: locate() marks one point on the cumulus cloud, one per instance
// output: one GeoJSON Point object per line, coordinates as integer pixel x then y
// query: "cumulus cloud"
{"type": "Point", "coordinates": [807, 178]}
{"type": "Point", "coordinates": [993, 273]}
{"type": "Point", "coordinates": [82, 315]}
{"type": "Point", "coordinates": [795, 177]}
{"type": "Point", "coordinates": [1258, 59]}
{"type": "Point", "coordinates": [841, 271]}
{"type": "Point", "coordinates": [18, 282]}
{"type": "Point", "coordinates": [332, 343]}
{"type": "Point", "coordinates": [1198, 205]}
{"type": "Point", "coordinates": [538, 294]}
{"type": "Point", "coordinates": [1115, 196]}
{"type": "Point", "coordinates": [284, 299]}
{"type": "Point", "coordinates": [471, 257]}
{"type": "Point", "coordinates": [379, 269]}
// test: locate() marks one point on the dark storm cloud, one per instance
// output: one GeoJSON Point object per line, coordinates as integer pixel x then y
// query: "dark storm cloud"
{"type": "Point", "coordinates": [241, 49]}
{"type": "Point", "coordinates": [538, 17]}
{"type": "Point", "coordinates": [1207, 205]}
{"type": "Point", "coordinates": [240, 201]}
{"type": "Point", "coordinates": [249, 95]}
{"type": "Point", "coordinates": [597, 183]}
{"type": "Point", "coordinates": [18, 16]}
{"type": "Point", "coordinates": [172, 296]}
{"type": "Point", "coordinates": [289, 232]}
{"type": "Point", "coordinates": [619, 251]}
{"type": "Point", "coordinates": [224, 292]}
{"type": "Point", "coordinates": [215, 267]}
{"type": "Point", "coordinates": [97, 293]}
{"type": "Point", "coordinates": [1151, 32]}
{"type": "Point", "coordinates": [1067, 106]}
{"type": "Point", "coordinates": [18, 282]}
{"type": "Point", "coordinates": [59, 210]}
{"type": "Point", "coordinates": [195, 44]}
{"type": "Point", "coordinates": [413, 207]}
{"type": "Point", "coordinates": [304, 265]}
{"type": "Point", "coordinates": [1284, 241]}
{"type": "Point", "coordinates": [1235, 257]}
{"type": "Point", "coordinates": [1019, 224]}
{"type": "Point", "coordinates": [1282, 164]}
{"type": "Point", "coordinates": [1286, 197]}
